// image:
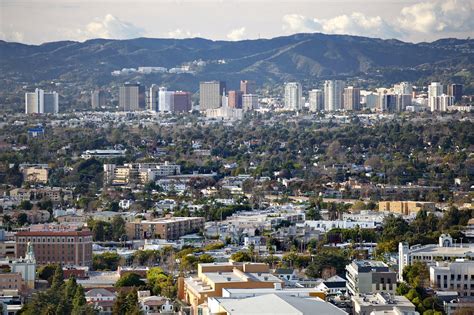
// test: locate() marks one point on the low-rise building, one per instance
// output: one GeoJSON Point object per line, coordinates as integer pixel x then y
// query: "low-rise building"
{"type": "Point", "coordinates": [453, 276]}
{"type": "Point", "coordinates": [272, 303]}
{"type": "Point", "coordinates": [169, 228]}
{"type": "Point", "coordinates": [370, 276]}
{"type": "Point", "coordinates": [382, 303]}
{"type": "Point", "coordinates": [55, 194]}
{"type": "Point", "coordinates": [35, 174]}
{"type": "Point", "coordinates": [443, 251]}
{"type": "Point", "coordinates": [212, 278]}
{"type": "Point", "coordinates": [406, 207]}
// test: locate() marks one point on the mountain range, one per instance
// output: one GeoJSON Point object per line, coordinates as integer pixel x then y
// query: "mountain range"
{"type": "Point", "coordinates": [306, 57]}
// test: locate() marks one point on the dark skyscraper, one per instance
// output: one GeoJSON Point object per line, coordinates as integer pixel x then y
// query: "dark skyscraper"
{"type": "Point", "coordinates": [247, 87]}
{"type": "Point", "coordinates": [235, 99]}
{"type": "Point", "coordinates": [455, 90]}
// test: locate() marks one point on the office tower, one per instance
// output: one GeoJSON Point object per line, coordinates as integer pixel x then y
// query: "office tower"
{"type": "Point", "coordinates": [455, 90]}
{"type": "Point", "coordinates": [247, 87]}
{"type": "Point", "coordinates": [132, 97]}
{"type": "Point", "coordinates": [402, 101]}
{"type": "Point", "coordinates": [210, 94]}
{"type": "Point", "coordinates": [403, 88]}
{"type": "Point", "coordinates": [386, 102]}
{"type": "Point", "coordinates": [435, 89]}
{"type": "Point", "coordinates": [293, 95]}
{"type": "Point", "coordinates": [316, 100]}
{"type": "Point", "coordinates": [351, 98]}
{"type": "Point", "coordinates": [41, 102]}
{"type": "Point", "coordinates": [371, 100]}
{"type": "Point", "coordinates": [333, 91]}
{"type": "Point", "coordinates": [97, 99]}
{"type": "Point", "coordinates": [441, 103]}
{"type": "Point", "coordinates": [235, 99]}
{"type": "Point", "coordinates": [153, 98]}
{"type": "Point", "coordinates": [249, 101]}
{"type": "Point", "coordinates": [165, 100]}
{"type": "Point", "coordinates": [181, 102]}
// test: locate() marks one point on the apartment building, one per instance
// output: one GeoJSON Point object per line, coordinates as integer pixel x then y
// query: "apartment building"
{"type": "Point", "coordinates": [212, 278]}
{"type": "Point", "coordinates": [64, 247]}
{"type": "Point", "coordinates": [406, 207]}
{"type": "Point", "coordinates": [370, 276]}
{"type": "Point", "coordinates": [168, 228]}
{"type": "Point", "coordinates": [55, 194]}
{"type": "Point", "coordinates": [141, 173]}
{"type": "Point", "coordinates": [453, 276]}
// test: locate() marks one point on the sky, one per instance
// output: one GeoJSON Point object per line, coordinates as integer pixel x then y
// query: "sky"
{"type": "Point", "coordinates": [40, 21]}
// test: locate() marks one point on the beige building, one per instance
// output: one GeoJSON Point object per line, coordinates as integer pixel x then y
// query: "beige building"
{"type": "Point", "coordinates": [7, 249]}
{"type": "Point", "coordinates": [214, 277]}
{"type": "Point", "coordinates": [12, 281]}
{"type": "Point", "coordinates": [406, 207]}
{"type": "Point", "coordinates": [169, 228]}
{"type": "Point", "coordinates": [55, 194]}
{"type": "Point", "coordinates": [35, 174]}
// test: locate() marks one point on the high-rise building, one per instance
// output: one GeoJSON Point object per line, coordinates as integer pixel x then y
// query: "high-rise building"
{"type": "Point", "coordinates": [333, 90]}
{"type": "Point", "coordinates": [249, 101]}
{"type": "Point", "coordinates": [386, 102]}
{"type": "Point", "coordinates": [316, 100]}
{"type": "Point", "coordinates": [153, 98]}
{"type": "Point", "coordinates": [441, 103]}
{"type": "Point", "coordinates": [234, 99]}
{"type": "Point", "coordinates": [402, 101]}
{"type": "Point", "coordinates": [351, 98]}
{"type": "Point", "coordinates": [455, 90]}
{"type": "Point", "coordinates": [293, 96]}
{"type": "Point", "coordinates": [97, 99]}
{"type": "Point", "coordinates": [166, 99]}
{"type": "Point", "coordinates": [210, 94]}
{"type": "Point", "coordinates": [41, 102]}
{"type": "Point", "coordinates": [435, 89]}
{"type": "Point", "coordinates": [403, 88]}
{"type": "Point", "coordinates": [132, 97]}
{"type": "Point", "coordinates": [247, 87]}
{"type": "Point", "coordinates": [181, 102]}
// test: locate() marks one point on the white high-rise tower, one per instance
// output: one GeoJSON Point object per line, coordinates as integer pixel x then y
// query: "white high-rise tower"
{"type": "Point", "coordinates": [333, 91]}
{"type": "Point", "coordinates": [293, 96]}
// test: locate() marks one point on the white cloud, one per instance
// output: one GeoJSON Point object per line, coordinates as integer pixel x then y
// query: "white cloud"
{"type": "Point", "coordinates": [110, 27]}
{"type": "Point", "coordinates": [180, 33]}
{"type": "Point", "coordinates": [355, 24]}
{"type": "Point", "coordinates": [10, 34]}
{"type": "Point", "coordinates": [236, 34]}
{"type": "Point", "coordinates": [438, 16]}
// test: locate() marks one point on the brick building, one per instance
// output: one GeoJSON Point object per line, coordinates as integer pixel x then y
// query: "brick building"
{"type": "Point", "coordinates": [52, 246]}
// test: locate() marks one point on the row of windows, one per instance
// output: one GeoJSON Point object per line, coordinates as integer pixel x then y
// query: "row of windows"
{"type": "Point", "coordinates": [53, 239]}
{"type": "Point", "coordinates": [457, 277]}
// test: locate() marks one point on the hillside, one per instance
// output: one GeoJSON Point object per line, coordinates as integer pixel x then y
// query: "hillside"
{"type": "Point", "coordinates": [301, 57]}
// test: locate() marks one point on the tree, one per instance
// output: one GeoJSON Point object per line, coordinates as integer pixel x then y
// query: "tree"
{"type": "Point", "coordinates": [22, 219]}
{"type": "Point", "coordinates": [46, 272]}
{"type": "Point", "coordinates": [118, 227]}
{"type": "Point", "coordinates": [79, 301]}
{"type": "Point", "coordinates": [326, 259]}
{"type": "Point", "coordinates": [129, 280]}
{"type": "Point", "coordinates": [25, 205]}
{"type": "Point", "coordinates": [241, 256]}
{"type": "Point", "coordinates": [58, 278]}
{"type": "Point", "coordinates": [417, 274]}
{"type": "Point", "coordinates": [106, 261]}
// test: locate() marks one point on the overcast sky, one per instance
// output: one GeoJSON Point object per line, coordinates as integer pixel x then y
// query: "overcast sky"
{"type": "Point", "coordinates": [39, 21]}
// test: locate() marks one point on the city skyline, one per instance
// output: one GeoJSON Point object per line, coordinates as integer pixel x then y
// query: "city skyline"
{"type": "Point", "coordinates": [22, 21]}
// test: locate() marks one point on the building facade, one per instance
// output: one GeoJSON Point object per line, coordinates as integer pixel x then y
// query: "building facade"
{"type": "Point", "coordinates": [55, 246]}
{"type": "Point", "coordinates": [170, 228]}
{"type": "Point", "coordinates": [453, 276]}
{"type": "Point", "coordinates": [370, 276]}
{"type": "Point", "coordinates": [351, 98]}
{"type": "Point", "coordinates": [234, 99]}
{"type": "Point", "coordinates": [97, 99]}
{"type": "Point", "coordinates": [41, 102]}
{"type": "Point", "coordinates": [181, 102]}
{"type": "Point", "coordinates": [166, 100]}
{"type": "Point", "coordinates": [132, 97]}
{"type": "Point", "coordinates": [210, 94]}
{"type": "Point", "coordinates": [293, 96]}
{"type": "Point", "coordinates": [316, 100]}
{"type": "Point", "coordinates": [153, 98]}
{"type": "Point", "coordinates": [249, 102]}
{"type": "Point", "coordinates": [333, 95]}
{"type": "Point", "coordinates": [248, 87]}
